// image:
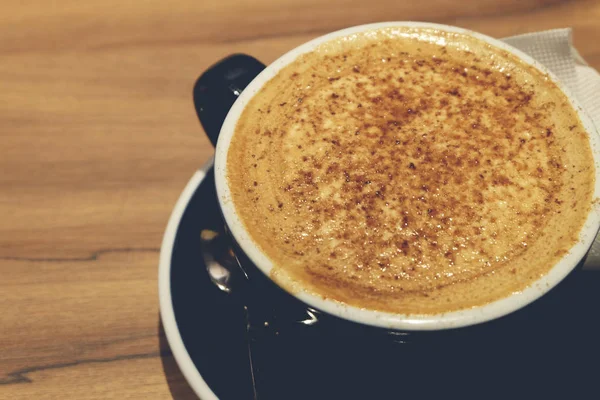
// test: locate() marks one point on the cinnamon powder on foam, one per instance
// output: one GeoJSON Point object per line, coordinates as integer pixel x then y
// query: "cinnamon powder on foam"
{"type": "Point", "coordinates": [411, 171]}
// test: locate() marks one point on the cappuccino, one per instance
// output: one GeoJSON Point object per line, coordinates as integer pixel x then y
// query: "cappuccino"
{"type": "Point", "coordinates": [411, 170]}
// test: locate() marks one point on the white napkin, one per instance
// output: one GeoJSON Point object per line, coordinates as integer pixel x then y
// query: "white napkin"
{"type": "Point", "coordinates": [554, 49]}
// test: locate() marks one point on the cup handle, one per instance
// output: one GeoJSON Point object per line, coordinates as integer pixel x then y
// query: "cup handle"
{"type": "Point", "coordinates": [218, 87]}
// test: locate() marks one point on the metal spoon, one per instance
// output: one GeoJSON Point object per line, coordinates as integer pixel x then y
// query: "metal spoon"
{"type": "Point", "coordinates": [226, 273]}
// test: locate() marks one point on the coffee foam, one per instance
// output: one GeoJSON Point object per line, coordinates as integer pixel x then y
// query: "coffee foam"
{"type": "Point", "coordinates": [411, 171]}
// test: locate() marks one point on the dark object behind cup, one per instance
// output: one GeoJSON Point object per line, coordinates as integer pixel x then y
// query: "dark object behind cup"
{"type": "Point", "coordinates": [218, 88]}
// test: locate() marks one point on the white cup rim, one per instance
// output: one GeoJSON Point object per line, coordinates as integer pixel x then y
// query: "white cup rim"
{"type": "Point", "coordinates": [382, 319]}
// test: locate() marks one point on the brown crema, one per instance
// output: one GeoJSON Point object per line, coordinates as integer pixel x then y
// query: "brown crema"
{"type": "Point", "coordinates": [411, 171]}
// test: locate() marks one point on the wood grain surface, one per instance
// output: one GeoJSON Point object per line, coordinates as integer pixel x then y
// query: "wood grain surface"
{"type": "Point", "coordinates": [98, 136]}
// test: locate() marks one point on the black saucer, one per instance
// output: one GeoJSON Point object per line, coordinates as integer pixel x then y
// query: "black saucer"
{"type": "Point", "coordinates": [549, 346]}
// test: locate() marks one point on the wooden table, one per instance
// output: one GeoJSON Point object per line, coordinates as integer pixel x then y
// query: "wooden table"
{"type": "Point", "coordinates": [98, 136]}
